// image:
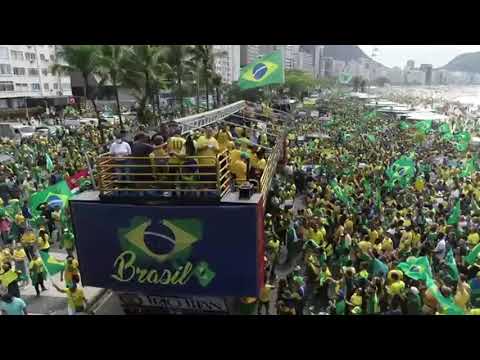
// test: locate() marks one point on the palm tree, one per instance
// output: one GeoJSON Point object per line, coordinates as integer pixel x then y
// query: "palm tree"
{"type": "Point", "coordinates": [204, 56]}
{"type": "Point", "coordinates": [145, 72]}
{"type": "Point", "coordinates": [111, 61]}
{"type": "Point", "coordinates": [178, 58]}
{"type": "Point", "coordinates": [84, 59]}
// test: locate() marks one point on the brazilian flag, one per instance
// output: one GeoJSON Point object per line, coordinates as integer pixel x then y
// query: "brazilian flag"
{"type": "Point", "coordinates": [52, 265]}
{"type": "Point", "coordinates": [265, 71]}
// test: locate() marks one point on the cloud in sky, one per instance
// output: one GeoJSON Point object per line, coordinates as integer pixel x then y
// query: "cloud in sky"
{"type": "Point", "coordinates": [437, 55]}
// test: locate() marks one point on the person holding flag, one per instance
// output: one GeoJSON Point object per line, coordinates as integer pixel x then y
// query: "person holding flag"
{"type": "Point", "coordinates": [38, 273]}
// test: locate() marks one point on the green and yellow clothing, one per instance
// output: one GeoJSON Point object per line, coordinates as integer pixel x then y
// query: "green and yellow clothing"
{"type": "Point", "coordinates": [175, 144]}
{"type": "Point", "coordinates": [75, 299]}
{"type": "Point", "coordinates": [70, 271]}
{"type": "Point", "coordinates": [43, 243]}
{"type": "Point", "coordinates": [473, 239]}
{"type": "Point", "coordinates": [36, 268]}
{"type": "Point", "coordinates": [6, 278]}
{"type": "Point", "coordinates": [265, 292]}
{"type": "Point", "coordinates": [239, 169]}
{"type": "Point", "coordinates": [28, 238]}
{"type": "Point", "coordinates": [207, 147]}
{"type": "Point", "coordinates": [396, 288]}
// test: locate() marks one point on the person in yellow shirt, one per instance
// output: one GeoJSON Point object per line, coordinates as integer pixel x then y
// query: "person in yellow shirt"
{"type": "Point", "coordinates": [207, 145]}
{"type": "Point", "coordinates": [397, 286]}
{"type": "Point", "coordinates": [462, 296]}
{"type": "Point", "coordinates": [260, 164]}
{"type": "Point", "coordinates": [240, 169]}
{"type": "Point", "coordinates": [348, 226]}
{"type": "Point", "coordinates": [71, 271]}
{"type": "Point", "coordinates": [264, 299]}
{"type": "Point", "coordinates": [20, 258]}
{"type": "Point", "coordinates": [473, 239]}
{"type": "Point", "coordinates": [225, 139]}
{"type": "Point", "coordinates": [37, 273]}
{"type": "Point", "coordinates": [43, 241]}
{"type": "Point", "coordinates": [76, 300]}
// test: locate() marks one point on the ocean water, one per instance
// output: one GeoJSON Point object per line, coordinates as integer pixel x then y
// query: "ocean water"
{"type": "Point", "coordinates": [466, 95]}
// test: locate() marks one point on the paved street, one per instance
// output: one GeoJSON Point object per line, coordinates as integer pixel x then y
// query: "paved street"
{"type": "Point", "coordinates": [52, 302]}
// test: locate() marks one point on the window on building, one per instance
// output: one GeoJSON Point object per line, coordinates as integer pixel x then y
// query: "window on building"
{"type": "Point", "coordinates": [65, 86]}
{"type": "Point", "coordinates": [17, 55]}
{"type": "Point", "coordinates": [6, 85]}
{"type": "Point", "coordinates": [45, 72]}
{"type": "Point", "coordinates": [55, 86]}
{"type": "Point", "coordinates": [19, 71]}
{"type": "Point", "coordinates": [46, 86]}
{"type": "Point", "coordinates": [33, 72]}
{"type": "Point", "coordinates": [52, 57]}
{"type": "Point", "coordinates": [30, 56]}
{"type": "Point", "coordinates": [21, 86]}
{"type": "Point", "coordinates": [35, 87]}
{"type": "Point", "coordinates": [42, 57]}
{"type": "Point", "coordinates": [5, 69]}
{"type": "Point", "coordinates": [4, 53]}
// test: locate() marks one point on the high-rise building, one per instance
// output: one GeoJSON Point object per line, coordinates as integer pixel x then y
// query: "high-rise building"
{"type": "Point", "coordinates": [410, 65]}
{"type": "Point", "coordinates": [291, 55]}
{"type": "Point", "coordinates": [395, 75]}
{"type": "Point", "coordinates": [328, 64]}
{"type": "Point", "coordinates": [228, 65]}
{"type": "Point", "coordinates": [427, 69]}
{"type": "Point", "coordinates": [304, 61]}
{"type": "Point", "coordinates": [317, 53]}
{"type": "Point", "coordinates": [25, 73]}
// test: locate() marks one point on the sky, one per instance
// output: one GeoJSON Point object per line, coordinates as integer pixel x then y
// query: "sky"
{"type": "Point", "coordinates": [437, 55]}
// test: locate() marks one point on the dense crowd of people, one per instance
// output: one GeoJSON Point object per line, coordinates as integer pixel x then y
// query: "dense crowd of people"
{"type": "Point", "coordinates": [372, 217]}
{"type": "Point", "coordinates": [27, 233]}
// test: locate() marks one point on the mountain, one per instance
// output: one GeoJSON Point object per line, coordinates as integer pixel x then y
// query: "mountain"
{"type": "Point", "coordinates": [468, 62]}
{"type": "Point", "coordinates": [346, 53]}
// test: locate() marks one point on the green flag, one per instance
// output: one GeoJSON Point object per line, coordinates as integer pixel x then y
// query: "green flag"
{"type": "Point", "coordinates": [424, 126]}
{"type": "Point", "coordinates": [462, 140]}
{"type": "Point", "coordinates": [371, 138]}
{"type": "Point", "coordinates": [452, 265]}
{"type": "Point", "coordinates": [454, 216]}
{"type": "Point", "coordinates": [401, 172]}
{"type": "Point", "coordinates": [472, 255]}
{"type": "Point", "coordinates": [416, 268]}
{"type": "Point", "coordinates": [378, 268]}
{"type": "Point", "coordinates": [469, 168]}
{"type": "Point", "coordinates": [340, 193]}
{"type": "Point", "coordinates": [60, 190]}
{"type": "Point", "coordinates": [447, 305]}
{"type": "Point", "coordinates": [52, 265]}
{"type": "Point", "coordinates": [445, 131]}
{"type": "Point", "coordinates": [266, 70]}
{"type": "Point", "coordinates": [367, 188]}
{"type": "Point", "coordinates": [49, 162]}
{"type": "Point", "coordinates": [404, 125]}
{"type": "Point", "coordinates": [344, 78]}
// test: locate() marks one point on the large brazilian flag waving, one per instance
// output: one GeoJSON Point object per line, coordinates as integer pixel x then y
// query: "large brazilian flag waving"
{"type": "Point", "coordinates": [266, 70]}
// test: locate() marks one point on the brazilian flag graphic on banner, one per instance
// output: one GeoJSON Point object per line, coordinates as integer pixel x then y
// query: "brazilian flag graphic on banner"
{"type": "Point", "coordinates": [161, 240]}
{"type": "Point", "coordinates": [266, 70]}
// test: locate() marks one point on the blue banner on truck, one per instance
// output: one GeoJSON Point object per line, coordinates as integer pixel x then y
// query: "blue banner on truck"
{"type": "Point", "coordinates": [209, 250]}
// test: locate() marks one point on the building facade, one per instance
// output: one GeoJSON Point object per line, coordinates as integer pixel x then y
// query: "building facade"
{"type": "Point", "coordinates": [25, 72]}
{"type": "Point", "coordinates": [427, 69]}
{"type": "Point", "coordinates": [228, 65]}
